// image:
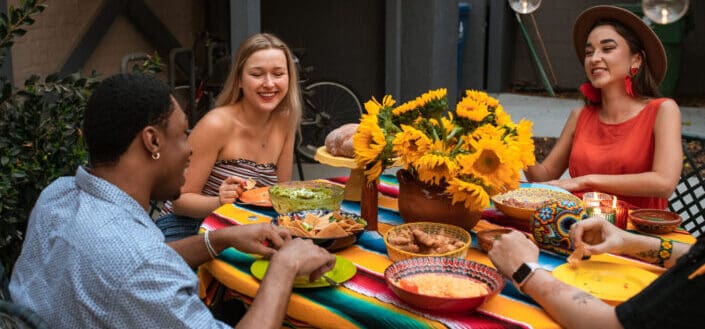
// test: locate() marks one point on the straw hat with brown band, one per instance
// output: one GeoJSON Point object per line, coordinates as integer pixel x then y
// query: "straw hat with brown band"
{"type": "Point", "coordinates": [655, 54]}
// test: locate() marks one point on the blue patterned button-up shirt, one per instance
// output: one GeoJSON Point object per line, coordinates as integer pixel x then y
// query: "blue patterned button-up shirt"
{"type": "Point", "coordinates": [93, 258]}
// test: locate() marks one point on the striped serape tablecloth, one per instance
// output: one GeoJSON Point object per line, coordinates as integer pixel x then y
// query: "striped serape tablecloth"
{"type": "Point", "coordinates": [365, 301]}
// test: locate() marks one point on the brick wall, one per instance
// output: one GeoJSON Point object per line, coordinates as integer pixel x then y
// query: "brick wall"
{"type": "Point", "coordinates": [50, 41]}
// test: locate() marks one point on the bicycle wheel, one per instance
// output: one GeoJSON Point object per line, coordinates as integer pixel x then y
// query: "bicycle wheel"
{"type": "Point", "coordinates": [326, 106]}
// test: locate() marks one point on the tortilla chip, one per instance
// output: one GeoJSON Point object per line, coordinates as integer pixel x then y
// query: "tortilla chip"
{"type": "Point", "coordinates": [578, 254]}
{"type": "Point", "coordinates": [333, 230]}
{"type": "Point", "coordinates": [311, 219]}
{"type": "Point", "coordinates": [300, 230]}
{"type": "Point", "coordinates": [284, 220]}
{"type": "Point", "coordinates": [356, 228]}
{"type": "Point", "coordinates": [297, 231]}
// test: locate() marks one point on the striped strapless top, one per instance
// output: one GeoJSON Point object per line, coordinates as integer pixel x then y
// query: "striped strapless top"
{"type": "Point", "coordinates": [262, 174]}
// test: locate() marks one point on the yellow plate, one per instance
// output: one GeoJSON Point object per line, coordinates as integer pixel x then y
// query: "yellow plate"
{"type": "Point", "coordinates": [326, 158]}
{"type": "Point", "coordinates": [533, 195]}
{"type": "Point", "coordinates": [343, 271]}
{"type": "Point", "coordinates": [613, 283]}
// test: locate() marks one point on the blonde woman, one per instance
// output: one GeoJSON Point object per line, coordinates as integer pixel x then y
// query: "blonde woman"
{"type": "Point", "coordinates": [249, 135]}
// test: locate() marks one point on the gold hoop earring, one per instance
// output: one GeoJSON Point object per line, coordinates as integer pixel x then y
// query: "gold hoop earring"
{"type": "Point", "coordinates": [156, 156]}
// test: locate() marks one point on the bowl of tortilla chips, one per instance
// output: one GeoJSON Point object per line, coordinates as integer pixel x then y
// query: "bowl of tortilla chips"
{"type": "Point", "coordinates": [329, 229]}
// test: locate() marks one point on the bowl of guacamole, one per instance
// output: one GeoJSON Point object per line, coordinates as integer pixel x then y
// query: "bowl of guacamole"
{"type": "Point", "coordinates": [293, 196]}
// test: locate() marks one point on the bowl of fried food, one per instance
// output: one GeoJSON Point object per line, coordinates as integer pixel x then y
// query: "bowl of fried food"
{"type": "Point", "coordinates": [442, 284]}
{"type": "Point", "coordinates": [287, 197]}
{"type": "Point", "coordinates": [424, 239]}
{"type": "Point", "coordinates": [329, 229]}
{"type": "Point", "coordinates": [521, 203]}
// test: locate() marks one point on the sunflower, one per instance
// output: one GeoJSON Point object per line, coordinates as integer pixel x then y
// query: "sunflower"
{"type": "Point", "coordinates": [525, 142]}
{"type": "Point", "coordinates": [433, 103]}
{"type": "Point", "coordinates": [489, 162]}
{"type": "Point", "coordinates": [473, 196]}
{"type": "Point", "coordinates": [369, 141]}
{"type": "Point", "coordinates": [502, 118]}
{"type": "Point", "coordinates": [405, 108]}
{"type": "Point", "coordinates": [471, 109]}
{"type": "Point", "coordinates": [473, 151]}
{"type": "Point", "coordinates": [411, 144]}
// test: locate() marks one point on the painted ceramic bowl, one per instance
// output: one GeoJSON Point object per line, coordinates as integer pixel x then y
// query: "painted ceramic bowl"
{"type": "Point", "coordinates": [293, 196]}
{"type": "Point", "coordinates": [551, 223]}
{"type": "Point", "coordinates": [331, 230]}
{"type": "Point", "coordinates": [654, 220]}
{"type": "Point", "coordinates": [485, 238]}
{"type": "Point", "coordinates": [440, 275]}
{"type": "Point", "coordinates": [402, 243]}
{"type": "Point", "coordinates": [521, 203]}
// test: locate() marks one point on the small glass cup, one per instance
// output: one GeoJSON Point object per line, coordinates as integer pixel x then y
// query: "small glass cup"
{"type": "Point", "coordinates": [621, 214]}
{"type": "Point", "coordinates": [600, 205]}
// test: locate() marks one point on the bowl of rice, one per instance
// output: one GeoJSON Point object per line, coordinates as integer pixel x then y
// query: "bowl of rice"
{"type": "Point", "coordinates": [443, 284]}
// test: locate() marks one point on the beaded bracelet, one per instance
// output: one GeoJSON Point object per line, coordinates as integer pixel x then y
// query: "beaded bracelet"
{"type": "Point", "coordinates": [664, 251]}
{"type": "Point", "coordinates": [209, 247]}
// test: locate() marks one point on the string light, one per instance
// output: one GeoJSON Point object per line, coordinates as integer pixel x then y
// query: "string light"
{"type": "Point", "coordinates": [664, 11]}
{"type": "Point", "coordinates": [524, 6]}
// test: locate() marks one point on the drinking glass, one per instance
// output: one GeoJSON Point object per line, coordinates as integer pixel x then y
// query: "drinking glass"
{"type": "Point", "coordinates": [600, 205]}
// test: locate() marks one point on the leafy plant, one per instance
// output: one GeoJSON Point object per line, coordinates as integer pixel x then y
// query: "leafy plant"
{"type": "Point", "coordinates": [151, 65]}
{"type": "Point", "coordinates": [40, 137]}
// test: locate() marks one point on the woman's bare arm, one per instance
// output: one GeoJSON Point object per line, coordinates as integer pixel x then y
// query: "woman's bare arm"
{"type": "Point", "coordinates": [556, 162]}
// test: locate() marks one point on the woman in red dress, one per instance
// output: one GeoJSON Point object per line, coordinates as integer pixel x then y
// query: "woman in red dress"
{"type": "Point", "coordinates": [625, 140]}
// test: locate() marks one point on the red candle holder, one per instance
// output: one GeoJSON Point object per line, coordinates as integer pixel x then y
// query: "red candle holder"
{"type": "Point", "coordinates": [621, 214]}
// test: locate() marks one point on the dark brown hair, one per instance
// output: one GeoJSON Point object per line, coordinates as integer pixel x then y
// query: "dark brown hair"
{"type": "Point", "coordinates": [643, 82]}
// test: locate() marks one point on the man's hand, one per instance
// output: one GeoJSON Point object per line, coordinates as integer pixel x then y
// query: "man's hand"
{"type": "Point", "coordinates": [305, 258]}
{"type": "Point", "coordinates": [510, 250]}
{"type": "Point", "coordinates": [262, 239]}
{"type": "Point", "coordinates": [597, 236]}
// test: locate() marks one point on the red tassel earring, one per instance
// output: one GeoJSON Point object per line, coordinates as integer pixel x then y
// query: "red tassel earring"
{"type": "Point", "coordinates": [591, 93]}
{"type": "Point", "coordinates": [628, 81]}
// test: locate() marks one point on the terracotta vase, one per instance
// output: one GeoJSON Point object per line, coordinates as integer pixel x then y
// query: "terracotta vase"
{"type": "Point", "coordinates": [419, 202]}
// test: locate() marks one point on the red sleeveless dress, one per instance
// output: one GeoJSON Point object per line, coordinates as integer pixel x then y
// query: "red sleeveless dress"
{"type": "Point", "coordinates": [615, 149]}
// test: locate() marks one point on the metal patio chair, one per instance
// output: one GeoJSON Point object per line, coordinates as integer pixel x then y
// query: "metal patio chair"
{"type": "Point", "coordinates": [688, 200]}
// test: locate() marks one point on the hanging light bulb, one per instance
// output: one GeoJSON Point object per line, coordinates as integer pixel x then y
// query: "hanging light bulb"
{"type": "Point", "coordinates": [524, 6]}
{"type": "Point", "coordinates": [664, 11]}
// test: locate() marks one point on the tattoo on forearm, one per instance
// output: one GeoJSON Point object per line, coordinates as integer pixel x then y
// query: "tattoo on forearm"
{"type": "Point", "coordinates": [555, 288]}
{"type": "Point", "coordinates": [648, 254]}
{"type": "Point", "coordinates": [582, 298]}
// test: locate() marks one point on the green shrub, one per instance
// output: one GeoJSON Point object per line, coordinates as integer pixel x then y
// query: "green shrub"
{"type": "Point", "coordinates": [40, 140]}
{"type": "Point", "coordinates": [40, 137]}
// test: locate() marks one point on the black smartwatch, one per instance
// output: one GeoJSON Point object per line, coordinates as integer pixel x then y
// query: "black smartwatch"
{"type": "Point", "coordinates": [523, 273]}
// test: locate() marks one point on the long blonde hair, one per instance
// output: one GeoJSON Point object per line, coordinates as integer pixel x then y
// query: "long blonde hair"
{"type": "Point", "coordinates": [232, 91]}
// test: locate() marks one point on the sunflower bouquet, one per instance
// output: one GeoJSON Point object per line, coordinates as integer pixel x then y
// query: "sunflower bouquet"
{"type": "Point", "coordinates": [474, 151]}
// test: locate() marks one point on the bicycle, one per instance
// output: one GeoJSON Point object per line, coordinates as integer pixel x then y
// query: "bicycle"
{"type": "Point", "coordinates": [326, 105]}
